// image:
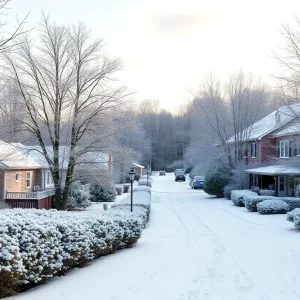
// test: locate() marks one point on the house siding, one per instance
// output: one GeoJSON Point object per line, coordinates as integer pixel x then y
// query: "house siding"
{"type": "Point", "coordinates": [13, 186]}
{"type": "Point", "coordinates": [2, 185]}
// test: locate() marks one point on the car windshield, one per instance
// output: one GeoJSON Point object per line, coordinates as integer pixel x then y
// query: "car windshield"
{"type": "Point", "coordinates": [180, 173]}
{"type": "Point", "coordinates": [198, 178]}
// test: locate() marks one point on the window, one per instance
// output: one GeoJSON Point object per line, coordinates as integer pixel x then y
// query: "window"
{"type": "Point", "coordinates": [297, 149]}
{"type": "Point", "coordinates": [17, 178]}
{"type": "Point", "coordinates": [253, 150]}
{"type": "Point", "coordinates": [284, 149]}
{"type": "Point", "coordinates": [28, 180]}
{"type": "Point", "coordinates": [49, 179]}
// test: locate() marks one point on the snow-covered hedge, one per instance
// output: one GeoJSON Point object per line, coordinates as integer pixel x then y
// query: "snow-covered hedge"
{"type": "Point", "coordinates": [103, 193]}
{"type": "Point", "coordinates": [36, 245]}
{"type": "Point", "coordinates": [266, 193]}
{"type": "Point", "coordinates": [145, 181]}
{"type": "Point", "coordinates": [252, 201]}
{"type": "Point", "coordinates": [141, 200]}
{"type": "Point", "coordinates": [291, 201]}
{"type": "Point", "coordinates": [119, 189]}
{"type": "Point", "coordinates": [79, 197]}
{"type": "Point", "coordinates": [126, 187]}
{"type": "Point", "coordinates": [237, 196]}
{"type": "Point", "coordinates": [294, 217]}
{"type": "Point", "coordinates": [272, 207]}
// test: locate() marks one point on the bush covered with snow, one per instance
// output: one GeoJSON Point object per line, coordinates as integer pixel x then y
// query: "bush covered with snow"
{"type": "Point", "coordinates": [252, 201]}
{"type": "Point", "coordinates": [79, 198]}
{"type": "Point", "coordinates": [145, 181]}
{"type": "Point", "coordinates": [272, 207]}
{"type": "Point", "coordinates": [215, 181]}
{"type": "Point", "coordinates": [266, 193]}
{"type": "Point", "coordinates": [36, 245]}
{"type": "Point", "coordinates": [294, 217]}
{"type": "Point", "coordinates": [237, 196]}
{"type": "Point", "coordinates": [119, 189]}
{"type": "Point", "coordinates": [141, 200]}
{"type": "Point", "coordinates": [126, 187]}
{"type": "Point", "coordinates": [291, 201]}
{"type": "Point", "coordinates": [103, 193]}
{"type": "Point", "coordinates": [228, 189]}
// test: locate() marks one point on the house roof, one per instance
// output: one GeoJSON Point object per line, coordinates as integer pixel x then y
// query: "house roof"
{"type": "Point", "coordinates": [137, 165]}
{"type": "Point", "coordinates": [290, 129]}
{"type": "Point", "coordinates": [269, 123]}
{"type": "Point", "coordinates": [93, 159]}
{"type": "Point", "coordinates": [274, 170]}
{"type": "Point", "coordinates": [13, 158]}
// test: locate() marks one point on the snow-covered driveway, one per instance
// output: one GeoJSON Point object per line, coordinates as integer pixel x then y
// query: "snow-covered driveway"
{"type": "Point", "coordinates": [195, 247]}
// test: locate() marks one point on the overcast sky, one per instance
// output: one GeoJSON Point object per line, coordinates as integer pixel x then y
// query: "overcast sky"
{"type": "Point", "coordinates": [169, 45]}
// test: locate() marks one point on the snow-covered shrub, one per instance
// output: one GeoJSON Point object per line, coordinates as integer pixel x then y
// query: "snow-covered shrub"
{"type": "Point", "coordinates": [79, 198]}
{"type": "Point", "coordinates": [252, 201]}
{"type": "Point", "coordinates": [266, 193]}
{"type": "Point", "coordinates": [237, 196]}
{"type": "Point", "coordinates": [36, 244]}
{"type": "Point", "coordinates": [141, 200]}
{"type": "Point", "coordinates": [294, 216]}
{"type": "Point", "coordinates": [126, 188]}
{"type": "Point", "coordinates": [119, 189]}
{"type": "Point", "coordinates": [145, 181]}
{"type": "Point", "coordinates": [103, 193]}
{"type": "Point", "coordinates": [3, 205]}
{"type": "Point", "coordinates": [272, 207]}
{"type": "Point", "coordinates": [215, 181]}
{"type": "Point", "coordinates": [291, 201]}
{"type": "Point", "coordinates": [228, 189]}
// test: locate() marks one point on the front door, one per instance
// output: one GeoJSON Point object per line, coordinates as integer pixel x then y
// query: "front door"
{"type": "Point", "coordinates": [281, 186]}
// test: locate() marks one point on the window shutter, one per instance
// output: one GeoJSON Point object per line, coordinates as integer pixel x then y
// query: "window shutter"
{"type": "Point", "coordinates": [290, 149]}
{"type": "Point", "coordinates": [278, 148]}
{"type": "Point", "coordinates": [295, 150]}
{"type": "Point", "coordinates": [255, 150]}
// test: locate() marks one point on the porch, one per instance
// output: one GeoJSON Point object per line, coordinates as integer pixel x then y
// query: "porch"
{"type": "Point", "coordinates": [38, 200]}
{"type": "Point", "coordinates": [283, 180]}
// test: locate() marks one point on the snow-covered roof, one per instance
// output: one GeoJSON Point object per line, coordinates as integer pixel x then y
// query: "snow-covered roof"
{"type": "Point", "coordinates": [274, 170]}
{"type": "Point", "coordinates": [13, 158]}
{"type": "Point", "coordinates": [270, 123]}
{"type": "Point", "coordinates": [95, 158]}
{"type": "Point", "coordinates": [137, 165]}
{"type": "Point", "coordinates": [290, 129]}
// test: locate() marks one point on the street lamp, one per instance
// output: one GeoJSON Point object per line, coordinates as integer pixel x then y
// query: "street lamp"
{"type": "Point", "coordinates": [132, 173]}
{"type": "Point", "coordinates": [148, 170]}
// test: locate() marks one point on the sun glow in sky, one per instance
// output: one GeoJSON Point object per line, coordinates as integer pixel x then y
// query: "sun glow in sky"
{"type": "Point", "coordinates": [168, 46]}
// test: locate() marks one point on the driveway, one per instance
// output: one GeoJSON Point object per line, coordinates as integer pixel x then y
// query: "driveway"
{"type": "Point", "coordinates": [195, 247]}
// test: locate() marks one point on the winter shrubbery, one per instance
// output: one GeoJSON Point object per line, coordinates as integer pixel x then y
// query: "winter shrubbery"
{"type": "Point", "coordinates": [141, 202]}
{"type": "Point", "coordinates": [145, 181]}
{"type": "Point", "coordinates": [266, 192]}
{"type": "Point", "coordinates": [215, 181]}
{"type": "Point", "coordinates": [291, 201]}
{"type": "Point", "coordinates": [103, 193]}
{"type": "Point", "coordinates": [252, 201]}
{"type": "Point", "coordinates": [119, 189]}
{"type": "Point", "coordinates": [228, 189]}
{"type": "Point", "coordinates": [36, 245]}
{"type": "Point", "coordinates": [272, 207]}
{"type": "Point", "coordinates": [237, 196]}
{"type": "Point", "coordinates": [126, 188]}
{"type": "Point", "coordinates": [294, 217]}
{"type": "Point", "coordinates": [79, 198]}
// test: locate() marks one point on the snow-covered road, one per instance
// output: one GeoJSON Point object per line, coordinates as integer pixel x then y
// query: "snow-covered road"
{"type": "Point", "coordinates": [195, 247]}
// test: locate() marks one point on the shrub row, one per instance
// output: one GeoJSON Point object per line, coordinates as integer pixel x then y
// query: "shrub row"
{"type": "Point", "coordinates": [36, 245]}
{"type": "Point", "coordinates": [294, 217]}
{"type": "Point", "coordinates": [237, 196]}
{"type": "Point", "coordinates": [141, 202]}
{"type": "Point", "coordinates": [264, 204]}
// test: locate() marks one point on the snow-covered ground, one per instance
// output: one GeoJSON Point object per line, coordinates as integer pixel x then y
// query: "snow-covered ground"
{"type": "Point", "coordinates": [195, 247]}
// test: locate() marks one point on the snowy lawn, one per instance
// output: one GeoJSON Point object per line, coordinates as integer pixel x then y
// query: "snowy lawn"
{"type": "Point", "coordinates": [195, 248]}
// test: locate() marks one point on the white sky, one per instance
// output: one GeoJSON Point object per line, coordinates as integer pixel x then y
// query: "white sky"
{"type": "Point", "coordinates": [169, 45]}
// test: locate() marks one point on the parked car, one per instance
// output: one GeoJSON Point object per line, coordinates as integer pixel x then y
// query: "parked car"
{"type": "Point", "coordinates": [162, 173]}
{"type": "Point", "coordinates": [178, 170]}
{"type": "Point", "coordinates": [180, 176]}
{"type": "Point", "coordinates": [197, 182]}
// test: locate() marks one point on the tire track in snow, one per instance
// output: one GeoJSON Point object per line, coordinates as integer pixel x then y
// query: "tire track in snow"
{"type": "Point", "coordinates": [251, 284]}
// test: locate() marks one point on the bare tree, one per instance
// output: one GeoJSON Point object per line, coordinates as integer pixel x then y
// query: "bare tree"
{"type": "Point", "coordinates": [10, 40]}
{"type": "Point", "coordinates": [229, 111]}
{"type": "Point", "coordinates": [68, 87]}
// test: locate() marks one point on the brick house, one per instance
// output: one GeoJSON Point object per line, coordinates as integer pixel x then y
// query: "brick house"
{"type": "Point", "coordinates": [274, 142]}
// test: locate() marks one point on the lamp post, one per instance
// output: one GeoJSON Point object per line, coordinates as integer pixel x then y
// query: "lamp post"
{"type": "Point", "coordinates": [131, 178]}
{"type": "Point", "coordinates": [148, 170]}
